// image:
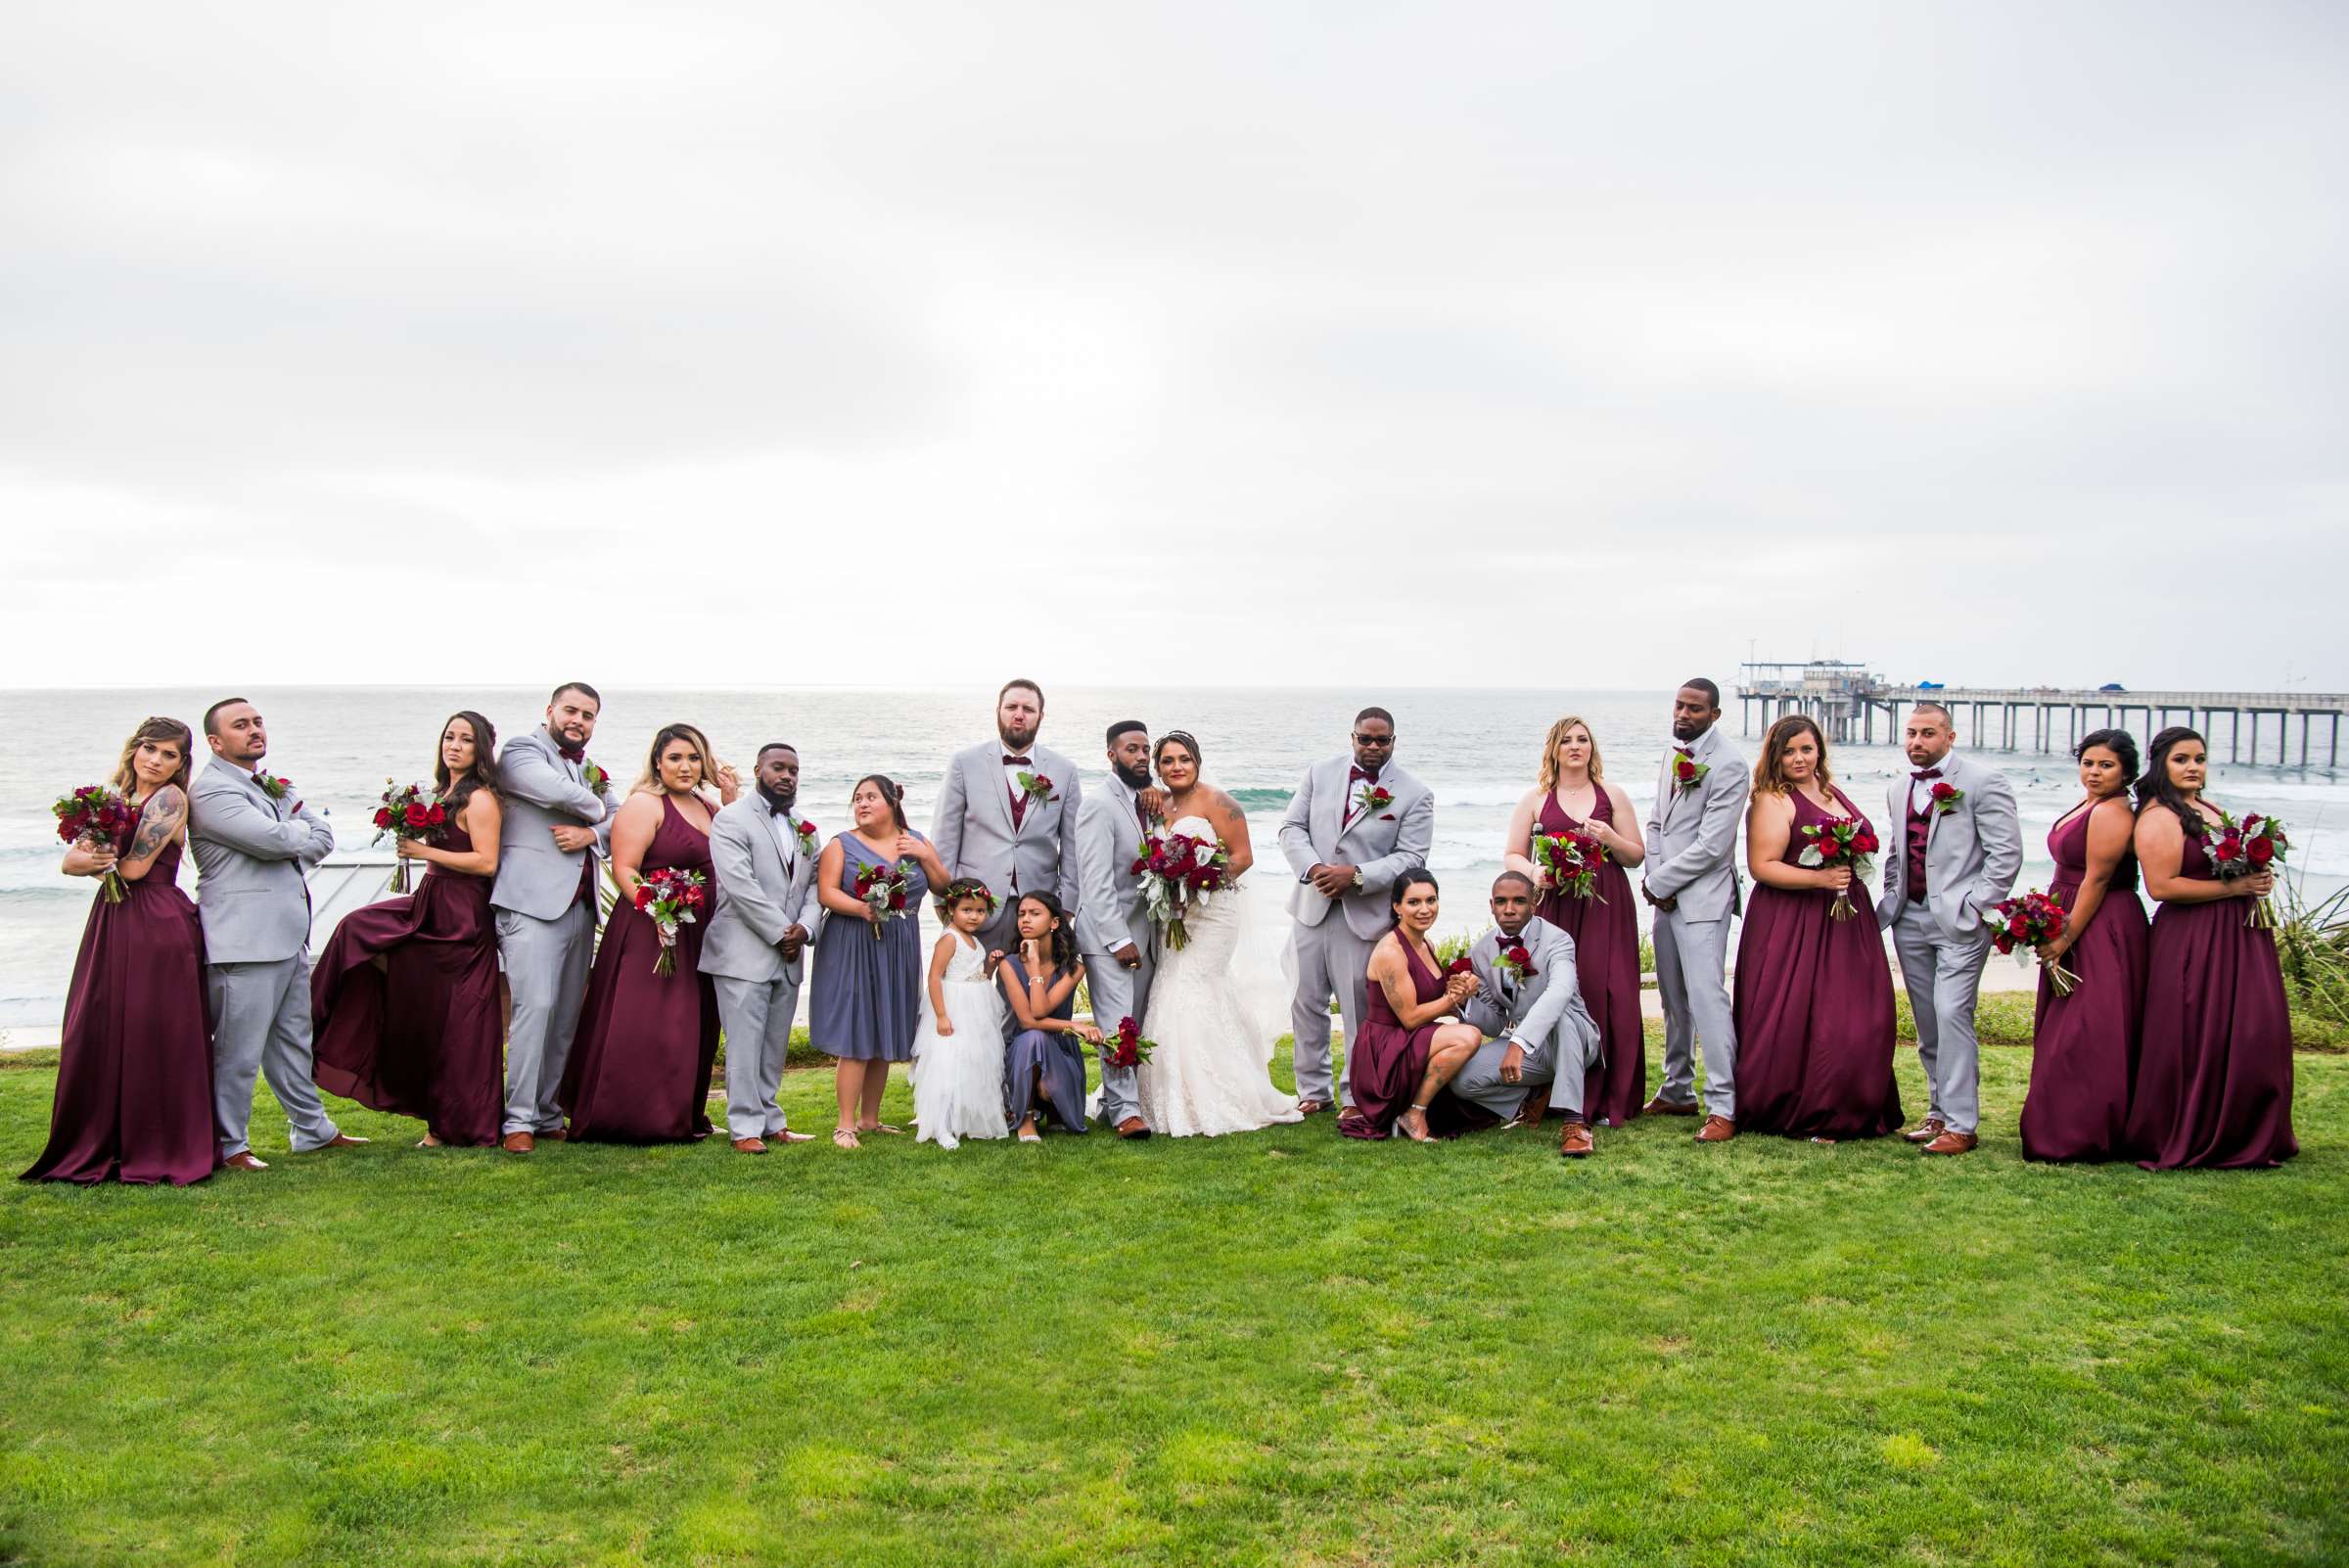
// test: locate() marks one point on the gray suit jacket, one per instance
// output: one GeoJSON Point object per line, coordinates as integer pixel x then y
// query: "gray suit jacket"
{"type": "Point", "coordinates": [1972, 852]}
{"type": "Point", "coordinates": [758, 897]}
{"type": "Point", "coordinates": [974, 834]}
{"type": "Point", "coordinates": [253, 854]}
{"type": "Point", "coordinates": [1546, 1010]}
{"type": "Point", "coordinates": [1692, 834]}
{"type": "Point", "coordinates": [539, 791]}
{"type": "Point", "coordinates": [1382, 844]}
{"type": "Point", "coordinates": [1109, 893]}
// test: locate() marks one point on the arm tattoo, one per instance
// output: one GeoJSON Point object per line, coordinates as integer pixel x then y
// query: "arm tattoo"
{"type": "Point", "coordinates": [164, 814]}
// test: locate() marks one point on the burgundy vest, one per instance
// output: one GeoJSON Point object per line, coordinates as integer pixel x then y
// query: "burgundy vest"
{"type": "Point", "coordinates": [1921, 824]}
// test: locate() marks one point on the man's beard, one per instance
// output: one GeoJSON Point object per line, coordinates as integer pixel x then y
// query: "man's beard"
{"type": "Point", "coordinates": [1136, 777]}
{"type": "Point", "coordinates": [786, 799]}
{"type": "Point", "coordinates": [1013, 741]}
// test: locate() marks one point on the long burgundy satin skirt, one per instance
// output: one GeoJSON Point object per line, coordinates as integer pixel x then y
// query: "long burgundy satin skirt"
{"type": "Point", "coordinates": [2214, 1065]}
{"type": "Point", "coordinates": [425, 1034]}
{"type": "Point", "coordinates": [1814, 1015]}
{"type": "Point", "coordinates": [2084, 1046]}
{"type": "Point", "coordinates": [1606, 962]}
{"type": "Point", "coordinates": [134, 1076]}
{"type": "Point", "coordinates": [639, 1070]}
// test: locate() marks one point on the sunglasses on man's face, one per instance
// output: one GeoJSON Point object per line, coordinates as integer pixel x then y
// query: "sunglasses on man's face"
{"type": "Point", "coordinates": [1360, 739]}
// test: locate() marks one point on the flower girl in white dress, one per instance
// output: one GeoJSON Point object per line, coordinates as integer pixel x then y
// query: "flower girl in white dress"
{"type": "Point", "coordinates": [958, 1052]}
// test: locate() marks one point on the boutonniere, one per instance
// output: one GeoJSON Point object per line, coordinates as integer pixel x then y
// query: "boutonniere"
{"type": "Point", "coordinates": [1372, 798]}
{"type": "Point", "coordinates": [1946, 797]}
{"type": "Point", "coordinates": [1688, 772]}
{"type": "Point", "coordinates": [594, 777]}
{"type": "Point", "coordinates": [806, 833]}
{"type": "Point", "coordinates": [1037, 786]}
{"type": "Point", "coordinates": [270, 784]}
{"type": "Point", "coordinates": [1515, 961]}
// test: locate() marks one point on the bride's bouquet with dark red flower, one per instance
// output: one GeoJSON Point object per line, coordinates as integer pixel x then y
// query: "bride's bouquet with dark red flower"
{"type": "Point", "coordinates": [2246, 847]}
{"type": "Point", "coordinates": [1126, 1047]}
{"type": "Point", "coordinates": [883, 888]}
{"type": "Point", "coordinates": [408, 812]}
{"type": "Point", "coordinates": [1572, 858]}
{"type": "Point", "coordinates": [670, 896]}
{"type": "Point", "coordinates": [1843, 840]}
{"type": "Point", "coordinates": [1179, 872]}
{"type": "Point", "coordinates": [97, 814]}
{"type": "Point", "coordinates": [2031, 921]}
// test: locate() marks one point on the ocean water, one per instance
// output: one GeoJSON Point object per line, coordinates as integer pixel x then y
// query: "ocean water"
{"type": "Point", "coordinates": [1477, 749]}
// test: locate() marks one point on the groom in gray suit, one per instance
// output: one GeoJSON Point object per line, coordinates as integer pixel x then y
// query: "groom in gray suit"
{"type": "Point", "coordinates": [1959, 854]}
{"type": "Point", "coordinates": [1351, 828]}
{"type": "Point", "coordinates": [558, 818]}
{"type": "Point", "coordinates": [1007, 815]}
{"type": "Point", "coordinates": [255, 843]}
{"type": "Point", "coordinates": [1538, 1032]}
{"type": "Point", "coordinates": [756, 950]}
{"type": "Point", "coordinates": [1691, 882]}
{"type": "Point", "coordinates": [1113, 926]}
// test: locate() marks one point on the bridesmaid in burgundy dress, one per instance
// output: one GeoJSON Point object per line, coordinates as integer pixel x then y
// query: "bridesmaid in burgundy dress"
{"type": "Point", "coordinates": [1572, 791]}
{"type": "Point", "coordinates": [404, 1003]}
{"type": "Point", "coordinates": [134, 1077]}
{"type": "Point", "coordinates": [1388, 1072]}
{"type": "Point", "coordinates": [2084, 1046]}
{"type": "Point", "coordinates": [639, 1072]}
{"type": "Point", "coordinates": [1814, 992]}
{"type": "Point", "coordinates": [2214, 1065]}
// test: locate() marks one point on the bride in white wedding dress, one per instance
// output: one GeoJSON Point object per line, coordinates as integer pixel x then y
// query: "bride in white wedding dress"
{"type": "Point", "coordinates": [1209, 1074]}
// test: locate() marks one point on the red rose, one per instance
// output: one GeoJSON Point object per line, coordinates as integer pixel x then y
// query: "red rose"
{"type": "Point", "coordinates": [382, 816]}
{"type": "Point", "coordinates": [437, 814]}
{"type": "Point", "coordinates": [417, 816]}
{"type": "Point", "coordinates": [2229, 847]}
{"type": "Point", "coordinates": [1943, 790]}
{"type": "Point", "coordinates": [2262, 852]}
{"type": "Point", "coordinates": [644, 893]}
{"type": "Point", "coordinates": [897, 902]}
{"type": "Point", "coordinates": [1459, 966]}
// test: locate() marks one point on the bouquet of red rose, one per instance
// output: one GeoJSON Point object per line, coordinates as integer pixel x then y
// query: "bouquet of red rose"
{"type": "Point", "coordinates": [670, 896]}
{"type": "Point", "coordinates": [97, 814]}
{"type": "Point", "coordinates": [1843, 840]}
{"type": "Point", "coordinates": [883, 886]}
{"type": "Point", "coordinates": [2245, 848]}
{"type": "Point", "coordinates": [1126, 1047]}
{"type": "Point", "coordinates": [407, 813]}
{"type": "Point", "coordinates": [2031, 921]}
{"type": "Point", "coordinates": [1179, 871]}
{"type": "Point", "coordinates": [1572, 858]}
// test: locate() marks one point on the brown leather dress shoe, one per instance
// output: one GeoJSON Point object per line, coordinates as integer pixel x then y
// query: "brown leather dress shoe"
{"type": "Point", "coordinates": [1574, 1140]}
{"type": "Point", "coordinates": [518, 1144]}
{"type": "Point", "coordinates": [1312, 1107]}
{"type": "Point", "coordinates": [1134, 1127]}
{"type": "Point", "coordinates": [244, 1160]}
{"type": "Point", "coordinates": [1717, 1129]}
{"type": "Point", "coordinates": [1926, 1130]}
{"type": "Point", "coordinates": [1660, 1106]}
{"type": "Point", "coordinates": [1953, 1143]}
{"type": "Point", "coordinates": [343, 1141]}
{"type": "Point", "coordinates": [749, 1147]}
{"type": "Point", "coordinates": [556, 1134]}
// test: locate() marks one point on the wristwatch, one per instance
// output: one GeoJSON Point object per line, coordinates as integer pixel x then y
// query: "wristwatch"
{"type": "Point", "coordinates": [1358, 876]}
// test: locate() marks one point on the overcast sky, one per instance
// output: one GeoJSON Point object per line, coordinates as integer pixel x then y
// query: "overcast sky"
{"type": "Point", "coordinates": [1549, 344]}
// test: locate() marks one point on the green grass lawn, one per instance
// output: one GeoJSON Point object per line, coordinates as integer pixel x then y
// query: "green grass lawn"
{"type": "Point", "coordinates": [1278, 1349]}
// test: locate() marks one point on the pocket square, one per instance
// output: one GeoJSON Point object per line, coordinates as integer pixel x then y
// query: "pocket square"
{"type": "Point", "coordinates": [1388, 817]}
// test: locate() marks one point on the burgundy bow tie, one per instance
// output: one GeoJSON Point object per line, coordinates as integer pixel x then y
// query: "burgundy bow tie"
{"type": "Point", "coordinates": [1353, 774]}
{"type": "Point", "coordinates": [1683, 750]}
{"type": "Point", "coordinates": [1015, 761]}
{"type": "Point", "coordinates": [772, 809]}
{"type": "Point", "coordinates": [1926, 772]}
{"type": "Point", "coordinates": [571, 753]}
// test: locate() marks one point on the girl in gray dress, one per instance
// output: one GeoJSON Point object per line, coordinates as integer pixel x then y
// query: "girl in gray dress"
{"type": "Point", "coordinates": [866, 997]}
{"type": "Point", "coordinates": [1044, 1061]}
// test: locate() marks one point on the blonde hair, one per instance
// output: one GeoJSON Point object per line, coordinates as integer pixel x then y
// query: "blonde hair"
{"type": "Point", "coordinates": [126, 781]}
{"type": "Point", "coordinates": [649, 782]}
{"type": "Point", "coordinates": [1769, 772]}
{"type": "Point", "coordinates": [1548, 776]}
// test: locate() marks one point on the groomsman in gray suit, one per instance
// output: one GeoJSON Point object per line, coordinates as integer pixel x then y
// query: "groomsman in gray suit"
{"type": "Point", "coordinates": [1691, 882]}
{"type": "Point", "coordinates": [255, 842]}
{"type": "Point", "coordinates": [1959, 854]}
{"type": "Point", "coordinates": [558, 820]}
{"type": "Point", "coordinates": [1007, 815]}
{"type": "Point", "coordinates": [1114, 932]}
{"type": "Point", "coordinates": [756, 950]}
{"type": "Point", "coordinates": [1351, 828]}
{"type": "Point", "coordinates": [1538, 1032]}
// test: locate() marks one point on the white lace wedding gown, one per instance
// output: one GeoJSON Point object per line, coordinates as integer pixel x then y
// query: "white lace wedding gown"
{"type": "Point", "coordinates": [1208, 1075]}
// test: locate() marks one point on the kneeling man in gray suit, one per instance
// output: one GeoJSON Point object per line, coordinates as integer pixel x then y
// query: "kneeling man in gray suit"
{"type": "Point", "coordinates": [558, 820]}
{"type": "Point", "coordinates": [1960, 847]}
{"type": "Point", "coordinates": [255, 843]}
{"type": "Point", "coordinates": [1537, 1033]}
{"type": "Point", "coordinates": [756, 950]}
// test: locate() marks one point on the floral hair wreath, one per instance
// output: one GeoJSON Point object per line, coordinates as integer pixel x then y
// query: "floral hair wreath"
{"type": "Point", "coordinates": [967, 887]}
